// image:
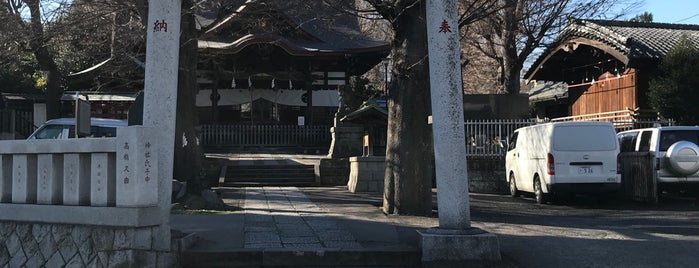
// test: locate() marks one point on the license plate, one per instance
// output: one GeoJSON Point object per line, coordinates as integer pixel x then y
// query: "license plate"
{"type": "Point", "coordinates": [585, 170]}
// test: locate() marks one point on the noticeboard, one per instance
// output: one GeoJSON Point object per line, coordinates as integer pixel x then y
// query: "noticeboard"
{"type": "Point", "coordinates": [82, 118]}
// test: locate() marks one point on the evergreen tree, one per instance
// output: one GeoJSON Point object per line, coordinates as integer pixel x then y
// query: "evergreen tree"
{"type": "Point", "coordinates": [674, 91]}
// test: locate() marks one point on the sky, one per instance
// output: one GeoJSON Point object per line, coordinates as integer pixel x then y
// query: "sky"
{"type": "Point", "coordinates": [671, 11]}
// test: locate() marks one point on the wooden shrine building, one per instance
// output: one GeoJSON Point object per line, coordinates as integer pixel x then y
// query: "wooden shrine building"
{"type": "Point", "coordinates": [601, 69]}
{"type": "Point", "coordinates": [275, 64]}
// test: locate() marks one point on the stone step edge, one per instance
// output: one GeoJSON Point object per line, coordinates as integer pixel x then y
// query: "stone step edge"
{"type": "Point", "coordinates": [303, 258]}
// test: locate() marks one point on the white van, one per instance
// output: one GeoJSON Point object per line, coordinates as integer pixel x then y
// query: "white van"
{"type": "Point", "coordinates": [563, 157]}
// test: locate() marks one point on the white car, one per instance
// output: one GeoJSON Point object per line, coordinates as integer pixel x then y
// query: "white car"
{"type": "Point", "coordinates": [64, 128]}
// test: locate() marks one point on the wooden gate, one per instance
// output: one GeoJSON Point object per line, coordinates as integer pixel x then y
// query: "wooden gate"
{"type": "Point", "coordinates": [638, 176]}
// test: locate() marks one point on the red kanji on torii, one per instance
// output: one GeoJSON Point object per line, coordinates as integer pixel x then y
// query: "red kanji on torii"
{"type": "Point", "coordinates": [445, 28]}
{"type": "Point", "coordinates": [160, 26]}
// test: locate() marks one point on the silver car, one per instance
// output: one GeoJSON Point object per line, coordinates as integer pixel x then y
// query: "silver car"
{"type": "Point", "coordinates": [676, 152]}
{"type": "Point", "coordinates": [64, 128]}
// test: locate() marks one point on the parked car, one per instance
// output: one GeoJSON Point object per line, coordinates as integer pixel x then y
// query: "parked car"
{"type": "Point", "coordinates": [563, 157]}
{"type": "Point", "coordinates": [64, 128]}
{"type": "Point", "coordinates": [676, 152]}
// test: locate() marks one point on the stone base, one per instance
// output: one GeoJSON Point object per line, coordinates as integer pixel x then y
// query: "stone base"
{"type": "Point", "coordinates": [366, 174]}
{"type": "Point", "coordinates": [333, 171]}
{"type": "Point", "coordinates": [459, 245]}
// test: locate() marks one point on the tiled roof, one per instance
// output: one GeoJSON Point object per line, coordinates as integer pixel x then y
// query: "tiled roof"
{"type": "Point", "coordinates": [327, 30]}
{"type": "Point", "coordinates": [634, 40]}
{"type": "Point", "coordinates": [546, 90]}
{"type": "Point", "coordinates": [640, 40]}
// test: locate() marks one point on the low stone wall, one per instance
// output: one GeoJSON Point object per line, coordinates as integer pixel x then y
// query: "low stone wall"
{"type": "Point", "coordinates": [59, 245]}
{"type": "Point", "coordinates": [486, 174]}
{"type": "Point", "coordinates": [366, 174]}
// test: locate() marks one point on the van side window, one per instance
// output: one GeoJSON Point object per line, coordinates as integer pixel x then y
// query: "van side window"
{"type": "Point", "coordinates": [644, 146]}
{"type": "Point", "coordinates": [627, 142]}
{"type": "Point", "coordinates": [513, 141]}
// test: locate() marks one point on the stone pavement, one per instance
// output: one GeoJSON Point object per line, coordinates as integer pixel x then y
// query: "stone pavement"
{"type": "Point", "coordinates": [290, 226]}
{"type": "Point", "coordinates": [284, 217]}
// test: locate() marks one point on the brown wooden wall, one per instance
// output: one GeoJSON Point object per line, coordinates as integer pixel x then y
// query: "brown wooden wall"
{"type": "Point", "coordinates": [605, 95]}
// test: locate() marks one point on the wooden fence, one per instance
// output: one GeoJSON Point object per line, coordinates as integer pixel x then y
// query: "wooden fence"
{"type": "Point", "coordinates": [638, 176]}
{"type": "Point", "coordinates": [265, 135]}
{"type": "Point", "coordinates": [15, 124]}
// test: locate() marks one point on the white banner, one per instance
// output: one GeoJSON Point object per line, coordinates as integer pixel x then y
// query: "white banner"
{"type": "Point", "coordinates": [321, 98]}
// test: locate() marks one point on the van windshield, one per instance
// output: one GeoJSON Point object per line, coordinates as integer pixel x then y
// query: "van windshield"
{"type": "Point", "coordinates": [587, 138]}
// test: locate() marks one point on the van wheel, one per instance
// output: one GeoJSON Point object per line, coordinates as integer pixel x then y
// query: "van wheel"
{"type": "Point", "coordinates": [513, 186]}
{"type": "Point", "coordinates": [538, 192]}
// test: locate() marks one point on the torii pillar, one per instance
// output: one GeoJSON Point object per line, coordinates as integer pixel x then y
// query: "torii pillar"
{"type": "Point", "coordinates": [454, 239]}
{"type": "Point", "coordinates": [160, 99]}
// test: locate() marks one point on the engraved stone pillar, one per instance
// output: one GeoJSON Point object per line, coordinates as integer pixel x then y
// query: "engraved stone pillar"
{"type": "Point", "coordinates": [160, 99]}
{"type": "Point", "coordinates": [454, 239]}
{"type": "Point", "coordinates": [103, 182]}
{"type": "Point", "coordinates": [136, 168]}
{"type": "Point", "coordinates": [50, 184]}
{"type": "Point", "coordinates": [23, 179]}
{"type": "Point", "coordinates": [5, 178]}
{"type": "Point", "coordinates": [76, 179]}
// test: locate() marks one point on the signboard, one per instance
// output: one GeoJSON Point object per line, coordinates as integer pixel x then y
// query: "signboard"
{"type": "Point", "coordinates": [82, 117]}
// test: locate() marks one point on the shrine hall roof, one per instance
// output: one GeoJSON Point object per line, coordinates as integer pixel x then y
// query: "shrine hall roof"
{"type": "Point", "coordinates": [633, 41]}
{"type": "Point", "coordinates": [317, 28]}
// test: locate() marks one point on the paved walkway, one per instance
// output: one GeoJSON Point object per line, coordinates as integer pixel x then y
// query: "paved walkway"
{"type": "Point", "coordinates": [284, 217]}
{"type": "Point", "coordinates": [292, 226]}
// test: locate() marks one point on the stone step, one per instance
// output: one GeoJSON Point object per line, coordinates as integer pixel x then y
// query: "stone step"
{"type": "Point", "coordinates": [304, 258]}
{"type": "Point", "coordinates": [269, 174]}
{"type": "Point", "coordinates": [249, 183]}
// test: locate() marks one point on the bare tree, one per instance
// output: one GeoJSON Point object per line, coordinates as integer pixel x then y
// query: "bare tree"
{"type": "Point", "coordinates": [82, 33]}
{"type": "Point", "coordinates": [513, 34]}
{"type": "Point", "coordinates": [69, 36]}
{"type": "Point", "coordinates": [36, 41]}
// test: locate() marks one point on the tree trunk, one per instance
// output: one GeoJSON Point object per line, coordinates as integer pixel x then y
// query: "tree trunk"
{"type": "Point", "coordinates": [510, 70]}
{"type": "Point", "coordinates": [188, 153]}
{"type": "Point", "coordinates": [46, 61]}
{"type": "Point", "coordinates": [409, 154]}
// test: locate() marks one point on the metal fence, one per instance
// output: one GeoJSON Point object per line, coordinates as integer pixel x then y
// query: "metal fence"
{"type": "Point", "coordinates": [483, 137]}
{"type": "Point", "coordinates": [623, 125]}
{"type": "Point", "coordinates": [488, 137]}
